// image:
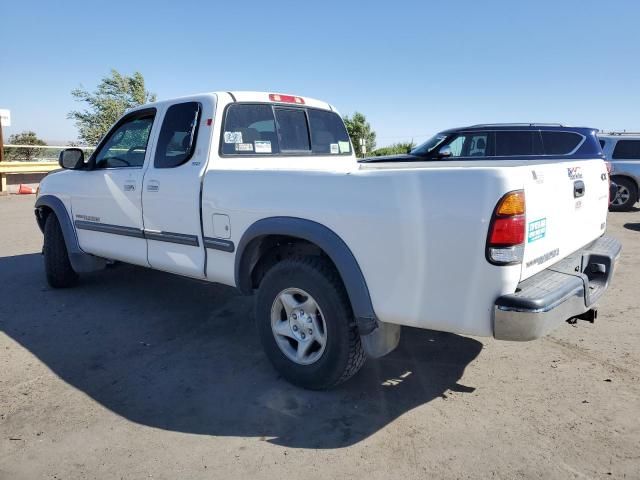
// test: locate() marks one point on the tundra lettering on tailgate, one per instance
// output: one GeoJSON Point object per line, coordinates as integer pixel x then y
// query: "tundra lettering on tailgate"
{"type": "Point", "coordinates": [543, 258]}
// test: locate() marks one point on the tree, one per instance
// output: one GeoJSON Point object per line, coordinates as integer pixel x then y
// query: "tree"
{"type": "Point", "coordinates": [23, 153]}
{"type": "Point", "coordinates": [115, 94]}
{"type": "Point", "coordinates": [396, 148]}
{"type": "Point", "coordinates": [358, 128]}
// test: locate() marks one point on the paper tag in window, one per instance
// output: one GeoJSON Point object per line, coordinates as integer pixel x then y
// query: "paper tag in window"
{"type": "Point", "coordinates": [334, 148]}
{"type": "Point", "coordinates": [232, 137]}
{"type": "Point", "coordinates": [344, 147]}
{"type": "Point", "coordinates": [263, 146]}
{"type": "Point", "coordinates": [244, 147]}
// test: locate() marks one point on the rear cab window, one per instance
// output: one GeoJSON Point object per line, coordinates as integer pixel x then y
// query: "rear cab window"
{"type": "Point", "coordinates": [255, 129]}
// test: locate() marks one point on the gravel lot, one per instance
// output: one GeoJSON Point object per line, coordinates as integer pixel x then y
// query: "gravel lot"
{"type": "Point", "coordinates": [139, 374]}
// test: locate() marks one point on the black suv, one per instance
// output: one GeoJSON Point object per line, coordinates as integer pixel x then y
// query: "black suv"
{"type": "Point", "coordinates": [505, 142]}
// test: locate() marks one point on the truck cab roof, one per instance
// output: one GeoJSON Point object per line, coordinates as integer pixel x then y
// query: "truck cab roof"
{"type": "Point", "coordinates": [248, 97]}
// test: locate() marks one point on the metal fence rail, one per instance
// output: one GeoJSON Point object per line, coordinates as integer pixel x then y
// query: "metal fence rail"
{"type": "Point", "coordinates": [36, 153]}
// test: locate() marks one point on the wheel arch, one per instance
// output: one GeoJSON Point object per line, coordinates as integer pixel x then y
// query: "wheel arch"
{"type": "Point", "coordinates": [80, 261]}
{"type": "Point", "coordinates": [250, 251]}
{"type": "Point", "coordinates": [630, 178]}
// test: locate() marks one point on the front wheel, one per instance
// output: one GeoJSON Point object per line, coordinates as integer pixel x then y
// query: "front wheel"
{"type": "Point", "coordinates": [626, 195]}
{"type": "Point", "coordinates": [306, 325]}
{"type": "Point", "coordinates": [60, 273]}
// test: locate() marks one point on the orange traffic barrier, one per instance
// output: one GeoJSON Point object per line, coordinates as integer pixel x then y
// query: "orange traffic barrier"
{"type": "Point", "coordinates": [25, 190]}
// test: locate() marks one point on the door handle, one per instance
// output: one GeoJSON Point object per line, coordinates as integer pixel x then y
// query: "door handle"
{"type": "Point", "coordinates": [130, 186]}
{"type": "Point", "coordinates": [153, 186]}
{"type": "Point", "coordinates": [578, 189]}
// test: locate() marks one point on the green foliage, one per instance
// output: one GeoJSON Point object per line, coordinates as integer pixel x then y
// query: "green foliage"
{"type": "Point", "coordinates": [358, 128]}
{"type": "Point", "coordinates": [115, 94]}
{"type": "Point", "coordinates": [23, 153]}
{"type": "Point", "coordinates": [395, 149]}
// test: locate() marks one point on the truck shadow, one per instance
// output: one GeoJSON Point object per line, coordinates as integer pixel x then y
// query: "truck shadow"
{"type": "Point", "coordinates": [183, 355]}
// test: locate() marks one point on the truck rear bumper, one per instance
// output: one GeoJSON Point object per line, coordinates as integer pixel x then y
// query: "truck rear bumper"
{"type": "Point", "coordinates": [563, 291]}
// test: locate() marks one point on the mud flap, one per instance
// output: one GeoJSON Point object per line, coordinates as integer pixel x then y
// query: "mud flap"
{"type": "Point", "coordinates": [381, 340]}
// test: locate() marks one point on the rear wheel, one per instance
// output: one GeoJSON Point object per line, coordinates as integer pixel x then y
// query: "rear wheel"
{"type": "Point", "coordinates": [626, 196]}
{"type": "Point", "coordinates": [60, 273]}
{"type": "Point", "coordinates": [306, 325]}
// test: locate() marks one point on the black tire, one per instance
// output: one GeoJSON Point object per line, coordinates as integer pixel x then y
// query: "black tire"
{"type": "Point", "coordinates": [60, 273]}
{"type": "Point", "coordinates": [343, 354]}
{"type": "Point", "coordinates": [628, 185]}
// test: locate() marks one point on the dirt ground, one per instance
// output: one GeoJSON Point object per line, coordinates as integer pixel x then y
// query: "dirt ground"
{"type": "Point", "coordinates": [139, 374]}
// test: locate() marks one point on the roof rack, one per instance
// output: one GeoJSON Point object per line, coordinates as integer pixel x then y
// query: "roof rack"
{"type": "Point", "coordinates": [519, 125]}
{"type": "Point", "coordinates": [624, 132]}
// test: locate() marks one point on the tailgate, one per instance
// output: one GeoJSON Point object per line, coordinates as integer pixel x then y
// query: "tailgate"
{"type": "Point", "coordinates": [566, 208]}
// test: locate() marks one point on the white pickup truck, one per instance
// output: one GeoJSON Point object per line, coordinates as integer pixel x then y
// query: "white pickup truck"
{"type": "Point", "coordinates": [491, 230]}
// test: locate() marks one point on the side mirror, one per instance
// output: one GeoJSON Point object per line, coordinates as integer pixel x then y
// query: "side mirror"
{"type": "Point", "coordinates": [445, 152]}
{"type": "Point", "coordinates": [72, 159]}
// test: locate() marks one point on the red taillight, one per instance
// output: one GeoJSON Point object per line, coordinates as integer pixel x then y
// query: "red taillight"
{"type": "Point", "coordinates": [276, 97]}
{"type": "Point", "coordinates": [505, 242]}
{"type": "Point", "coordinates": [507, 231]}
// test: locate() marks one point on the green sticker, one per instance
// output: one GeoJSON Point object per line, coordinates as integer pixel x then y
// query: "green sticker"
{"type": "Point", "coordinates": [537, 230]}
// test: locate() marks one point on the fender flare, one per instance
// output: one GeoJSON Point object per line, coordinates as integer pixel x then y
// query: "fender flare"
{"type": "Point", "coordinates": [80, 261]}
{"type": "Point", "coordinates": [330, 243]}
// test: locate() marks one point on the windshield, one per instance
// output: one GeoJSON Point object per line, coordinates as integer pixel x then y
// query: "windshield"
{"type": "Point", "coordinates": [429, 145]}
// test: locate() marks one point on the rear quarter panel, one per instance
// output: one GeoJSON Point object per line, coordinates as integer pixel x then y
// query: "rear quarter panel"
{"type": "Point", "coordinates": [418, 234]}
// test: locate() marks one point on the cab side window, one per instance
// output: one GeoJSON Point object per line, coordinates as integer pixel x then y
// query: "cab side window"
{"type": "Point", "coordinates": [178, 135]}
{"type": "Point", "coordinates": [126, 146]}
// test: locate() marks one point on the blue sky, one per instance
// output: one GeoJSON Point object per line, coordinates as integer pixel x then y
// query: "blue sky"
{"type": "Point", "coordinates": [412, 68]}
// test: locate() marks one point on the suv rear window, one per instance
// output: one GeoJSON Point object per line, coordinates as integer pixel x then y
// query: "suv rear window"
{"type": "Point", "coordinates": [560, 143]}
{"type": "Point", "coordinates": [264, 129]}
{"type": "Point", "coordinates": [629, 149]}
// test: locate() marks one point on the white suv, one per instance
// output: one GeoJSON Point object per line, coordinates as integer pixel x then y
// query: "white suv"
{"type": "Point", "coordinates": [623, 151]}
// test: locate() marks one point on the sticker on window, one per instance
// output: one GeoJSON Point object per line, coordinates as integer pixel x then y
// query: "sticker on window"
{"type": "Point", "coordinates": [344, 147]}
{"type": "Point", "coordinates": [232, 137]}
{"type": "Point", "coordinates": [244, 147]}
{"type": "Point", "coordinates": [334, 148]}
{"type": "Point", "coordinates": [263, 146]}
